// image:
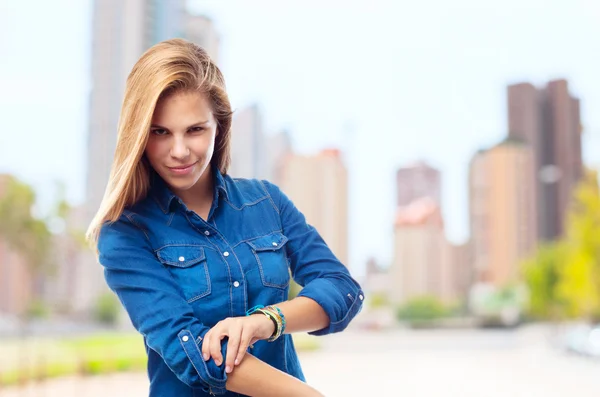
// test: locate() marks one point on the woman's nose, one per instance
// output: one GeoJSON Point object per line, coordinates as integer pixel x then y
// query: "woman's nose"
{"type": "Point", "coordinates": [179, 150]}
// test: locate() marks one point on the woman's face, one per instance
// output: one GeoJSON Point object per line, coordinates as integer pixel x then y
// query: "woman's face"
{"type": "Point", "coordinates": [182, 139]}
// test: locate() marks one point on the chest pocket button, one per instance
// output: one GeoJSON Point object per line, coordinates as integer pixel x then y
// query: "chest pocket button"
{"type": "Point", "coordinates": [187, 264]}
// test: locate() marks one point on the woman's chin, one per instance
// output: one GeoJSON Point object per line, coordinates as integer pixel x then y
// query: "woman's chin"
{"type": "Point", "coordinates": [182, 183]}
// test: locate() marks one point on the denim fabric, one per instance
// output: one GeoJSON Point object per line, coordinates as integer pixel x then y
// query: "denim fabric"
{"type": "Point", "coordinates": [178, 275]}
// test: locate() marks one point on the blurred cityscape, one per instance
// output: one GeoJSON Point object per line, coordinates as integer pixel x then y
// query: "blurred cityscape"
{"type": "Point", "coordinates": [532, 255]}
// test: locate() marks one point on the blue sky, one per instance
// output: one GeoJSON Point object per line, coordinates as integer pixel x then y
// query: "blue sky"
{"type": "Point", "coordinates": [389, 82]}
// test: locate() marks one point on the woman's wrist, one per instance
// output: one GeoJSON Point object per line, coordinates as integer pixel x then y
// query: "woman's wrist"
{"type": "Point", "coordinates": [267, 325]}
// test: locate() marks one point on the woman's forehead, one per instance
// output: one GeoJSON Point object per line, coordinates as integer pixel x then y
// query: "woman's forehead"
{"type": "Point", "coordinates": [182, 107]}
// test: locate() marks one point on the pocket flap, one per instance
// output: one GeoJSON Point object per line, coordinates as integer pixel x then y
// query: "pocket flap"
{"type": "Point", "coordinates": [181, 255]}
{"type": "Point", "coordinates": [271, 242]}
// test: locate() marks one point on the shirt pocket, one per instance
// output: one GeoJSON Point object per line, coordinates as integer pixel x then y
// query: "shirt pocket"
{"type": "Point", "coordinates": [271, 258]}
{"type": "Point", "coordinates": [187, 265]}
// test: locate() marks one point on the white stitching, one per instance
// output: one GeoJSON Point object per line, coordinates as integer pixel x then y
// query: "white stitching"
{"type": "Point", "coordinates": [245, 204]}
{"type": "Point", "coordinates": [254, 238]}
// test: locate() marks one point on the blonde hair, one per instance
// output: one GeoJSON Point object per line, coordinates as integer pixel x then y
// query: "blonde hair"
{"type": "Point", "coordinates": [168, 67]}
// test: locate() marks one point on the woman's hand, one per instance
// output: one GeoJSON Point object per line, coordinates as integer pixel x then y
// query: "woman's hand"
{"type": "Point", "coordinates": [242, 332]}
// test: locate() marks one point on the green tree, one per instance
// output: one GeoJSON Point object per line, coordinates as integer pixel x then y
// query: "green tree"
{"type": "Point", "coordinates": [563, 277]}
{"type": "Point", "coordinates": [23, 232]}
{"type": "Point", "coordinates": [579, 280]}
{"type": "Point", "coordinates": [542, 274]}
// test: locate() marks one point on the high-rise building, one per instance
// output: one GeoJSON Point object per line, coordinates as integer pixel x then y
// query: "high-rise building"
{"type": "Point", "coordinates": [501, 211]}
{"type": "Point", "coordinates": [419, 249]}
{"type": "Point", "coordinates": [417, 181]}
{"type": "Point", "coordinates": [318, 186]}
{"type": "Point", "coordinates": [278, 147]}
{"type": "Point", "coordinates": [456, 273]}
{"type": "Point", "coordinates": [247, 144]}
{"type": "Point", "coordinates": [201, 31]}
{"type": "Point", "coordinates": [548, 119]}
{"type": "Point", "coordinates": [122, 31]}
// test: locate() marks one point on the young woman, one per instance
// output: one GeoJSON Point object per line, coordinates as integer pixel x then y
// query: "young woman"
{"type": "Point", "coordinates": [200, 261]}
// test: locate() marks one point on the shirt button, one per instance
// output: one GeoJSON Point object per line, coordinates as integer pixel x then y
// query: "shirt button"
{"type": "Point", "coordinates": [206, 233]}
{"type": "Point", "coordinates": [274, 244]}
{"type": "Point", "coordinates": [185, 338]}
{"type": "Point", "coordinates": [360, 297]}
{"type": "Point", "coordinates": [236, 284]}
{"type": "Point", "coordinates": [225, 254]}
{"type": "Point", "coordinates": [181, 259]}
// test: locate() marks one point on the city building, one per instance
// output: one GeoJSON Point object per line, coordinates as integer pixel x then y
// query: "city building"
{"type": "Point", "coordinates": [122, 31]}
{"type": "Point", "coordinates": [548, 120]}
{"type": "Point", "coordinates": [278, 147]}
{"type": "Point", "coordinates": [501, 211]}
{"type": "Point", "coordinates": [202, 31]}
{"type": "Point", "coordinates": [318, 186]}
{"type": "Point", "coordinates": [420, 249]}
{"type": "Point", "coordinates": [248, 152]}
{"type": "Point", "coordinates": [417, 181]}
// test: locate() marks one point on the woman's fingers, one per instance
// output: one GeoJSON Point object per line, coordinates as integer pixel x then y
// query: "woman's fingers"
{"type": "Point", "coordinates": [241, 333]}
{"type": "Point", "coordinates": [245, 341]}
{"type": "Point", "coordinates": [206, 346]}
{"type": "Point", "coordinates": [215, 347]}
{"type": "Point", "coordinates": [235, 335]}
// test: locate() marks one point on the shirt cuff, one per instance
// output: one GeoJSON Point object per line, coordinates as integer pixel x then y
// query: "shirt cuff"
{"type": "Point", "coordinates": [341, 303]}
{"type": "Point", "coordinates": [214, 376]}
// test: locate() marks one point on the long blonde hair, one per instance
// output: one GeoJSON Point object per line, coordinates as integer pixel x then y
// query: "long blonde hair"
{"type": "Point", "coordinates": [167, 67]}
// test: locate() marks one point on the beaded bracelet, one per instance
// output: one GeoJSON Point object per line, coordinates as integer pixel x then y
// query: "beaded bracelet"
{"type": "Point", "coordinates": [275, 314]}
{"type": "Point", "coordinates": [280, 317]}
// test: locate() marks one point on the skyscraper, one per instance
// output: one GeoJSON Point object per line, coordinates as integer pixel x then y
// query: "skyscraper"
{"type": "Point", "coordinates": [501, 211]}
{"type": "Point", "coordinates": [318, 186]}
{"type": "Point", "coordinates": [278, 147]}
{"type": "Point", "coordinates": [201, 31]}
{"type": "Point", "coordinates": [122, 31]}
{"type": "Point", "coordinates": [419, 248]}
{"type": "Point", "coordinates": [417, 181]}
{"type": "Point", "coordinates": [247, 144]}
{"type": "Point", "coordinates": [548, 120]}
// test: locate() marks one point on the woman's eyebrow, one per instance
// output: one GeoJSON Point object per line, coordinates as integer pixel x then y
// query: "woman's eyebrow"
{"type": "Point", "coordinates": [193, 125]}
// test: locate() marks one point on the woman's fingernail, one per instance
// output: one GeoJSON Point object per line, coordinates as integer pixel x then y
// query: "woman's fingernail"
{"type": "Point", "coordinates": [237, 361]}
{"type": "Point", "coordinates": [228, 369]}
{"type": "Point", "coordinates": [205, 356]}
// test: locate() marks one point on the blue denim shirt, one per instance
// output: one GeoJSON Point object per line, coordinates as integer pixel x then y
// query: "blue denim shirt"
{"type": "Point", "coordinates": [178, 275]}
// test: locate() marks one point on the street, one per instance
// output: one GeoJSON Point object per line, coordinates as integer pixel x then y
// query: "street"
{"type": "Point", "coordinates": [430, 363]}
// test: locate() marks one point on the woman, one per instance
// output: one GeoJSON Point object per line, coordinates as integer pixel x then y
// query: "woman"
{"type": "Point", "coordinates": [200, 261]}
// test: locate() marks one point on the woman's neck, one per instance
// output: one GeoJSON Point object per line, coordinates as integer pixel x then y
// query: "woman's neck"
{"type": "Point", "coordinates": [199, 197]}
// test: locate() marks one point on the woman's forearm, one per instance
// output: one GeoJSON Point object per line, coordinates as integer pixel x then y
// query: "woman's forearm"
{"type": "Point", "coordinates": [258, 379]}
{"type": "Point", "coordinates": [303, 315]}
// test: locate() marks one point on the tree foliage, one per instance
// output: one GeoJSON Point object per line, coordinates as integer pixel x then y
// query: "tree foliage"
{"type": "Point", "coordinates": [564, 277]}
{"type": "Point", "coordinates": [19, 228]}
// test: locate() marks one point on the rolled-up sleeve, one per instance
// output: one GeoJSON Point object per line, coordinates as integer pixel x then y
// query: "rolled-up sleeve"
{"type": "Point", "coordinates": [155, 305]}
{"type": "Point", "coordinates": [314, 266]}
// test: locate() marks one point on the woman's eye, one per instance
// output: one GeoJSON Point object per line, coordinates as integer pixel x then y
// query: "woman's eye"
{"type": "Point", "coordinates": [196, 129]}
{"type": "Point", "coordinates": [159, 131]}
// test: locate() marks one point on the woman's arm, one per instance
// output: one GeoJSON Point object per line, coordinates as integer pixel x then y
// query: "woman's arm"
{"type": "Point", "coordinates": [169, 324]}
{"type": "Point", "coordinates": [303, 314]}
{"type": "Point", "coordinates": [258, 379]}
{"type": "Point", "coordinates": [329, 289]}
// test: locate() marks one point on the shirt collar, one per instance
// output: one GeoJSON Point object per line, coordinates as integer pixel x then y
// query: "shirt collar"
{"type": "Point", "coordinates": [165, 197]}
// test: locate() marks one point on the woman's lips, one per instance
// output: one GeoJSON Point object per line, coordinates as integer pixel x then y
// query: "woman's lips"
{"type": "Point", "coordinates": [182, 170]}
